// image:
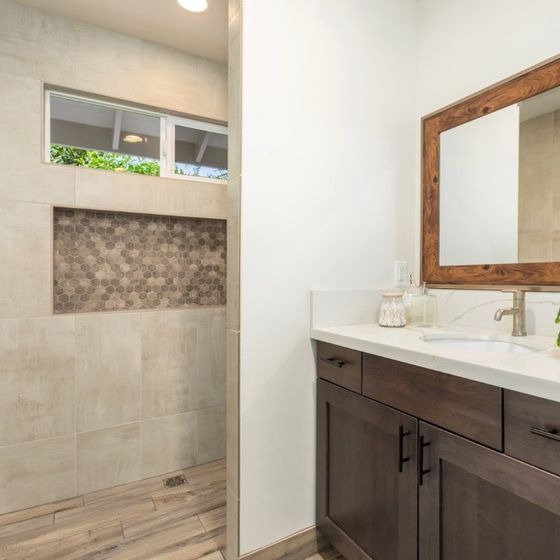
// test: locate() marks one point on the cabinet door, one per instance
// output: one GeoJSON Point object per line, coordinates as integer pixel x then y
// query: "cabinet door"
{"type": "Point", "coordinates": [366, 476]}
{"type": "Point", "coordinates": [477, 504]}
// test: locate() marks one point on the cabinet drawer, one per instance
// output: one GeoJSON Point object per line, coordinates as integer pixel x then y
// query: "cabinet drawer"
{"type": "Point", "coordinates": [532, 430]}
{"type": "Point", "coordinates": [468, 408]}
{"type": "Point", "coordinates": [340, 365]}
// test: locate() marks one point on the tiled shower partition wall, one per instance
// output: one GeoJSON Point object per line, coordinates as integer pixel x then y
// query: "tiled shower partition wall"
{"type": "Point", "coordinates": [129, 379]}
{"type": "Point", "coordinates": [94, 399]}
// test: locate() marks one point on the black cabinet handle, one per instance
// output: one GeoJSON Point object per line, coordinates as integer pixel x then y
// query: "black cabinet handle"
{"type": "Point", "coordinates": [333, 362]}
{"type": "Point", "coordinates": [420, 464]}
{"type": "Point", "coordinates": [553, 434]}
{"type": "Point", "coordinates": [401, 460]}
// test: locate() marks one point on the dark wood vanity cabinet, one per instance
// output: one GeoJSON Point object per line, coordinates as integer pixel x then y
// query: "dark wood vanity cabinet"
{"type": "Point", "coordinates": [391, 485]}
{"type": "Point", "coordinates": [477, 504]}
{"type": "Point", "coordinates": [366, 485]}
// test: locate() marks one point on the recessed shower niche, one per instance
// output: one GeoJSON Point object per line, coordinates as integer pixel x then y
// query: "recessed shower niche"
{"type": "Point", "coordinates": [110, 261]}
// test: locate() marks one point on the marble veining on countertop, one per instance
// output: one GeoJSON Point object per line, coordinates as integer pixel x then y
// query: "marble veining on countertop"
{"type": "Point", "coordinates": [534, 373]}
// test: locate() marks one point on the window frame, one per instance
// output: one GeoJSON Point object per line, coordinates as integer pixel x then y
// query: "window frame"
{"type": "Point", "coordinates": [168, 122]}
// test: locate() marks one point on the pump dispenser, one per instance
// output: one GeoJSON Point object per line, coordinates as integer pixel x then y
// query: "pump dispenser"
{"type": "Point", "coordinates": [423, 309]}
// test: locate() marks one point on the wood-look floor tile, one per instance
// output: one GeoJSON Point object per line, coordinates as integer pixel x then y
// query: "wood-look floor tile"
{"type": "Point", "coordinates": [123, 523]}
{"type": "Point", "coordinates": [21, 527]}
{"type": "Point", "coordinates": [205, 470]}
{"type": "Point", "coordinates": [157, 520]}
{"type": "Point", "coordinates": [73, 547]}
{"type": "Point", "coordinates": [152, 544]}
{"type": "Point", "coordinates": [192, 499]}
{"type": "Point", "coordinates": [132, 490]}
{"type": "Point", "coordinates": [194, 548]}
{"type": "Point", "coordinates": [106, 512]}
{"type": "Point", "coordinates": [46, 536]}
{"type": "Point", "coordinates": [40, 511]}
{"type": "Point", "coordinates": [328, 553]}
{"type": "Point", "coordinates": [214, 518]}
{"type": "Point", "coordinates": [217, 477]}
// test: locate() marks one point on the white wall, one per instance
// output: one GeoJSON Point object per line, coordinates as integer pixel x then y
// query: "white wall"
{"type": "Point", "coordinates": [327, 200]}
{"type": "Point", "coordinates": [467, 46]}
{"type": "Point", "coordinates": [479, 163]}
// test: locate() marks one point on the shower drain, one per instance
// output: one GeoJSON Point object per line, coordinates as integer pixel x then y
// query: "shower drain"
{"type": "Point", "coordinates": [174, 481]}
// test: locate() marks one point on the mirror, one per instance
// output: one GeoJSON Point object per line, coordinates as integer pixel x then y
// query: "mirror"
{"type": "Point", "coordinates": [491, 186]}
{"type": "Point", "coordinates": [500, 186]}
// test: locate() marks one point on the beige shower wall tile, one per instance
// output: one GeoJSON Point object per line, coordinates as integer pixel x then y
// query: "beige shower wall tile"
{"type": "Point", "coordinates": [36, 44]}
{"type": "Point", "coordinates": [211, 434]}
{"type": "Point", "coordinates": [20, 114]}
{"type": "Point", "coordinates": [232, 526]}
{"type": "Point", "coordinates": [535, 193]}
{"type": "Point", "coordinates": [232, 411]}
{"type": "Point", "coordinates": [36, 378]}
{"type": "Point", "coordinates": [536, 174]}
{"type": "Point", "coordinates": [182, 82]}
{"type": "Point", "coordinates": [109, 457]}
{"type": "Point", "coordinates": [40, 182]}
{"type": "Point", "coordinates": [169, 443]}
{"type": "Point", "coordinates": [25, 267]}
{"type": "Point", "coordinates": [24, 176]}
{"type": "Point", "coordinates": [211, 357]}
{"type": "Point", "coordinates": [233, 6]}
{"type": "Point", "coordinates": [212, 89]}
{"type": "Point", "coordinates": [37, 473]}
{"type": "Point", "coordinates": [169, 78]}
{"type": "Point", "coordinates": [535, 247]}
{"type": "Point", "coordinates": [234, 94]}
{"type": "Point", "coordinates": [169, 349]}
{"type": "Point", "coordinates": [16, 38]}
{"type": "Point", "coordinates": [556, 208]}
{"type": "Point", "coordinates": [233, 253]}
{"type": "Point", "coordinates": [54, 49]}
{"type": "Point", "coordinates": [108, 370]}
{"type": "Point", "coordinates": [555, 256]}
{"type": "Point", "coordinates": [108, 63]}
{"type": "Point", "coordinates": [127, 192]}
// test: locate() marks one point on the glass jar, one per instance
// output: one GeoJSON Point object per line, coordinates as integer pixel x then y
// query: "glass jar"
{"type": "Point", "coordinates": [392, 312]}
{"type": "Point", "coordinates": [423, 310]}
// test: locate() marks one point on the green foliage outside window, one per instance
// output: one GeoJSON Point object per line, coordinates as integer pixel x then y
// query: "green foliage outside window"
{"type": "Point", "coordinates": [94, 159]}
{"type": "Point", "coordinates": [558, 322]}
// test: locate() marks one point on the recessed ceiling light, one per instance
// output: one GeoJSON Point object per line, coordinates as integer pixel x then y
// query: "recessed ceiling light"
{"type": "Point", "coordinates": [194, 5]}
{"type": "Point", "coordinates": [133, 138]}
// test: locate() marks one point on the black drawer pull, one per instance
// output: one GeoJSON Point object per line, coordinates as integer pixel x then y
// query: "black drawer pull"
{"type": "Point", "coordinates": [554, 435]}
{"type": "Point", "coordinates": [402, 434]}
{"type": "Point", "coordinates": [333, 362]}
{"type": "Point", "coordinates": [420, 464]}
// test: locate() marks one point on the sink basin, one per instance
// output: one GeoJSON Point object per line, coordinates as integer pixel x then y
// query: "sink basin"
{"type": "Point", "coordinates": [476, 343]}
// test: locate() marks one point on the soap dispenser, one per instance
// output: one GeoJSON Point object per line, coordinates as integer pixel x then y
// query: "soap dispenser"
{"type": "Point", "coordinates": [423, 309]}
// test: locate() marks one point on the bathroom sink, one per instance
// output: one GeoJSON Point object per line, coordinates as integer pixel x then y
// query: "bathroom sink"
{"type": "Point", "coordinates": [481, 343]}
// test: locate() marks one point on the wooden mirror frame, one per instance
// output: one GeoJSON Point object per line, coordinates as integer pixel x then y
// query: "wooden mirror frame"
{"type": "Point", "coordinates": [513, 90]}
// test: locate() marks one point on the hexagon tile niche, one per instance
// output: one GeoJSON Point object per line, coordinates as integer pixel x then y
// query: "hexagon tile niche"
{"type": "Point", "coordinates": [108, 261]}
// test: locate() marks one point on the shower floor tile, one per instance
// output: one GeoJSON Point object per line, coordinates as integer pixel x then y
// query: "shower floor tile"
{"type": "Point", "coordinates": [137, 521]}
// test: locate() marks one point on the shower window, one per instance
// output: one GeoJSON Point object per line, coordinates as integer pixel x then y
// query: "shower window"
{"type": "Point", "coordinates": [104, 135]}
{"type": "Point", "coordinates": [195, 149]}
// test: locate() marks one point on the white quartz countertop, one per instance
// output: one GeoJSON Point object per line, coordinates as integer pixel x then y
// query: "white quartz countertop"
{"type": "Point", "coordinates": [535, 373]}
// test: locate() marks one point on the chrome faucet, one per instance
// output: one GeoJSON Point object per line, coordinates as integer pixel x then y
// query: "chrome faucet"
{"type": "Point", "coordinates": [518, 312]}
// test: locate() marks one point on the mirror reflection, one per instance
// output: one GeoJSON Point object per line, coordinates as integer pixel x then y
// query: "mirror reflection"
{"type": "Point", "coordinates": [500, 186]}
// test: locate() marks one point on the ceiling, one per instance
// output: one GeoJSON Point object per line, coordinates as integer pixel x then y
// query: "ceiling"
{"type": "Point", "coordinates": [159, 21]}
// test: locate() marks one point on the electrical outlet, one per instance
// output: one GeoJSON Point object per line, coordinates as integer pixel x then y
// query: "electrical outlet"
{"type": "Point", "coordinates": [401, 273]}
